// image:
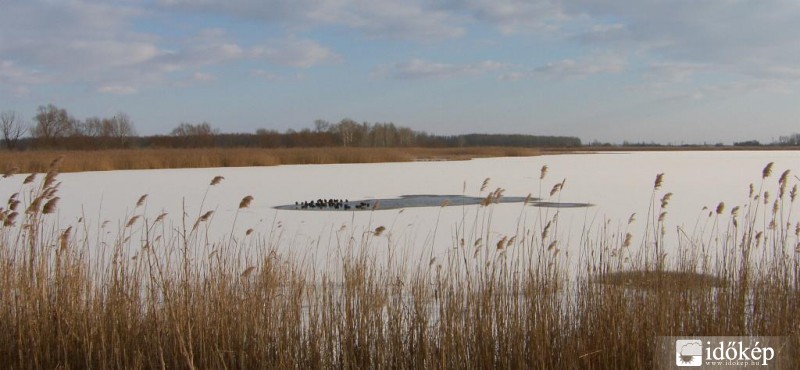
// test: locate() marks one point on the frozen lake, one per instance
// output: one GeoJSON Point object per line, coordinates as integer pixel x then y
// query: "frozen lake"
{"type": "Point", "coordinates": [616, 184]}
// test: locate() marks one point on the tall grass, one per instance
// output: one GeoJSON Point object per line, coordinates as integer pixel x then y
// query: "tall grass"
{"type": "Point", "coordinates": [133, 159]}
{"type": "Point", "coordinates": [168, 297]}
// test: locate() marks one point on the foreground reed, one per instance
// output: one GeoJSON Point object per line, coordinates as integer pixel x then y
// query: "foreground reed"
{"type": "Point", "coordinates": [160, 294]}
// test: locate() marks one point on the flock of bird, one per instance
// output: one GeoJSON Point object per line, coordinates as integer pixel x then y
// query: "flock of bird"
{"type": "Point", "coordinates": [331, 204]}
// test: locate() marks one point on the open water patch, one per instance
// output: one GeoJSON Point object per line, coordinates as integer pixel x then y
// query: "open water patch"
{"type": "Point", "coordinates": [412, 201]}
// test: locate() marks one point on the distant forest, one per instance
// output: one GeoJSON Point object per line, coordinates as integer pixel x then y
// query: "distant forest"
{"type": "Point", "coordinates": [55, 128]}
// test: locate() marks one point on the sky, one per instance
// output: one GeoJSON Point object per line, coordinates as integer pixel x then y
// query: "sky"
{"type": "Point", "coordinates": [677, 71]}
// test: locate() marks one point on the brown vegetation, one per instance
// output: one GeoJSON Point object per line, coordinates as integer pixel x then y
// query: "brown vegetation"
{"type": "Point", "coordinates": [135, 159]}
{"type": "Point", "coordinates": [170, 298]}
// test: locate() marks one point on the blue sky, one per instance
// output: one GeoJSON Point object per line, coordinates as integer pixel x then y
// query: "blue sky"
{"type": "Point", "coordinates": [679, 71]}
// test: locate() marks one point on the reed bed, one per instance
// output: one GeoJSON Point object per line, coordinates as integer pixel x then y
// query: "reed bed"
{"type": "Point", "coordinates": [136, 159]}
{"type": "Point", "coordinates": [168, 297]}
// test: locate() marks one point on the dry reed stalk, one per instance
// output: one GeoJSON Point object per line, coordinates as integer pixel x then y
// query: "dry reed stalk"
{"type": "Point", "coordinates": [502, 243]}
{"type": "Point", "coordinates": [161, 217]}
{"type": "Point", "coordinates": [245, 202]}
{"type": "Point", "coordinates": [628, 240]}
{"type": "Point", "coordinates": [10, 171]}
{"type": "Point", "coordinates": [767, 170]}
{"type": "Point", "coordinates": [665, 200]}
{"type": "Point", "coordinates": [29, 179]}
{"type": "Point", "coordinates": [659, 181]}
{"type": "Point", "coordinates": [64, 238]}
{"type": "Point", "coordinates": [485, 184]}
{"type": "Point", "coordinates": [555, 189]}
{"type": "Point", "coordinates": [10, 219]}
{"type": "Point", "coordinates": [205, 216]}
{"type": "Point", "coordinates": [510, 312]}
{"type": "Point", "coordinates": [50, 206]}
{"type": "Point", "coordinates": [246, 273]}
{"type": "Point", "coordinates": [35, 206]}
{"type": "Point", "coordinates": [132, 221]}
{"type": "Point", "coordinates": [50, 178]}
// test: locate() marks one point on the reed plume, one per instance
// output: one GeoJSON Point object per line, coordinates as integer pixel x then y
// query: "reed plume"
{"type": "Point", "coordinates": [767, 170]}
{"type": "Point", "coordinates": [161, 217]}
{"type": "Point", "coordinates": [50, 206]}
{"type": "Point", "coordinates": [485, 184]}
{"type": "Point", "coordinates": [502, 243]}
{"type": "Point", "coordinates": [659, 181]}
{"type": "Point", "coordinates": [245, 202]}
{"type": "Point", "coordinates": [132, 221]}
{"type": "Point", "coordinates": [29, 179]}
{"type": "Point", "coordinates": [141, 200]}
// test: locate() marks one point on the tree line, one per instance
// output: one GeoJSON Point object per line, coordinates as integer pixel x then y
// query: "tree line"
{"type": "Point", "coordinates": [54, 128]}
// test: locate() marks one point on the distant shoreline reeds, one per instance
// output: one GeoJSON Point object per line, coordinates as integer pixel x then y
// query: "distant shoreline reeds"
{"type": "Point", "coordinates": [137, 159]}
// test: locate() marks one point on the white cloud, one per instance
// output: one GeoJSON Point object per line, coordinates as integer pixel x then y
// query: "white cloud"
{"type": "Point", "coordinates": [790, 72]}
{"type": "Point", "coordinates": [13, 74]}
{"type": "Point", "coordinates": [89, 43]}
{"type": "Point", "coordinates": [101, 45]}
{"type": "Point", "coordinates": [267, 76]}
{"type": "Point", "coordinates": [744, 37]}
{"type": "Point", "coordinates": [416, 69]}
{"type": "Point", "coordinates": [203, 77]}
{"type": "Point", "coordinates": [683, 92]}
{"type": "Point", "coordinates": [214, 46]}
{"type": "Point", "coordinates": [513, 16]}
{"type": "Point", "coordinates": [298, 53]}
{"type": "Point", "coordinates": [413, 19]}
{"type": "Point", "coordinates": [81, 42]}
{"type": "Point", "coordinates": [81, 34]}
{"type": "Point", "coordinates": [117, 89]}
{"type": "Point", "coordinates": [749, 37]}
{"type": "Point", "coordinates": [673, 72]}
{"type": "Point", "coordinates": [571, 69]}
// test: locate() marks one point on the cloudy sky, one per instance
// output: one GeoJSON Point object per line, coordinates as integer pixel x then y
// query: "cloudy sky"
{"type": "Point", "coordinates": [680, 71]}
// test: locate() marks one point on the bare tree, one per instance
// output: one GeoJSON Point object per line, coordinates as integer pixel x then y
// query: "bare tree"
{"type": "Point", "coordinates": [199, 135]}
{"type": "Point", "coordinates": [405, 136]}
{"type": "Point", "coordinates": [321, 125]}
{"type": "Point", "coordinates": [13, 129]}
{"type": "Point", "coordinates": [53, 123]}
{"type": "Point", "coordinates": [200, 129]}
{"type": "Point", "coordinates": [122, 128]}
{"type": "Point", "coordinates": [113, 131]}
{"type": "Point", "coordinates": [92, 126]}
{"type": "Point", "coordinates": [347, 130]}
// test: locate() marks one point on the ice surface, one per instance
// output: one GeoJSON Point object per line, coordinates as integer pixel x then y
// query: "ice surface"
{"type": "Point", "coordinates": [617, 184]}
